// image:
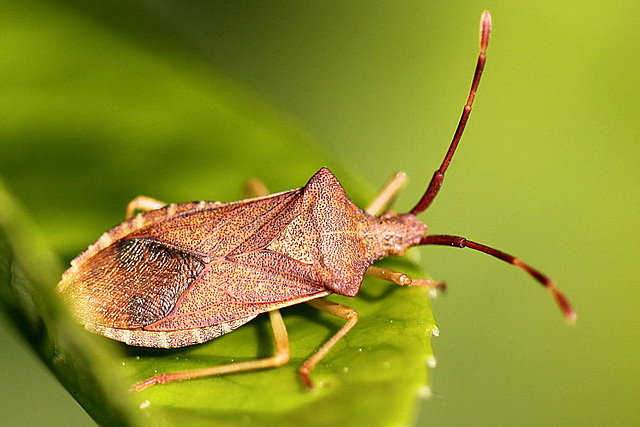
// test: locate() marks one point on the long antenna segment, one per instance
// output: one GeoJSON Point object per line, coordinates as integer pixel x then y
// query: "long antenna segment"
{"type": "Point", "coordinates": [438, 176]}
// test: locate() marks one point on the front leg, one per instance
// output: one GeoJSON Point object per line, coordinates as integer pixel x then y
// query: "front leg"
{"type": "Point", "coordinates": [402, 279]}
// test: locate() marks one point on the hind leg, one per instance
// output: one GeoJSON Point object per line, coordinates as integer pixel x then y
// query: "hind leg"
{"type": "Point", "coordinates": [281, 357]}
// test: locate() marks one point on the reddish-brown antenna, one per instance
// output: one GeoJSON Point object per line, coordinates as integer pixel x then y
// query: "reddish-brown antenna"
{"type": "Point", "coordinates": [461, 242]}
{"type": "Point", "coordinates": [438, 176]}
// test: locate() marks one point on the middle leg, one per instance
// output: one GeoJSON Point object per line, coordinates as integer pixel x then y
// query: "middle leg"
{"type": "Point", "coordinates": [342, 311]}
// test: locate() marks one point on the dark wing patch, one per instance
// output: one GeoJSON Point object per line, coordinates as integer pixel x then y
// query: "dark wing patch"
{"type": "Point", "coordinates": [131, 283]}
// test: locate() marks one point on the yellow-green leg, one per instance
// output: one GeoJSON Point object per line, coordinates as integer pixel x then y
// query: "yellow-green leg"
{"type": "Point", "coordinates": [342, 311]}
{"type": "Point", "coordinates": [402, 279]}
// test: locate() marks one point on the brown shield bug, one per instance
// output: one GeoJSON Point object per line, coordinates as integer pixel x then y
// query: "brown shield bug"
{"type": "Point", "coordinates": [181, 274]}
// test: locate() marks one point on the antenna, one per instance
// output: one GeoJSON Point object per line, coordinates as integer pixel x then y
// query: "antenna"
{"type": "Point", "coordinates": [438, 176]}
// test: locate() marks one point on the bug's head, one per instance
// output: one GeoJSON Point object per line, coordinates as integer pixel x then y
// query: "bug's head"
{"type": "Point", "coordinates": [398, 232]}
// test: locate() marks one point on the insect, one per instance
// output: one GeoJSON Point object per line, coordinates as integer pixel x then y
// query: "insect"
{"type": "Point", "coordinates": [181, 274]}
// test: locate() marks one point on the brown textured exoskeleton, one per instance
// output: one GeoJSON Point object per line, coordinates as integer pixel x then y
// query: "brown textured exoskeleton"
{"type": "Point", "coordinates": [183, 274]}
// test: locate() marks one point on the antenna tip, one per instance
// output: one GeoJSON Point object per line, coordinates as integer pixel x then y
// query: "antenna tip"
{"type": "Point", "coordinates": [571, 317]}
{"type": "Point", "coordinates": [567, 310]}
{"type": "Point", "coordinates": [485, 29]}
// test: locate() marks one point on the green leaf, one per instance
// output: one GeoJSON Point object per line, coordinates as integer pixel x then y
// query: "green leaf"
{"type": "Point", "coordinates": [27, 271]}
{"type": "Point", "coordinates": [95, 114]}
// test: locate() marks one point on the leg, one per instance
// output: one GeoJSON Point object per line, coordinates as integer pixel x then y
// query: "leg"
{"type": "Point", "coordinates": [142, 203]}
{"type": "Point", "coordinates": [255, 188]}
{"type": "Point", "coordinates": [342, 311]}
{"type": "Point", "coordinates": [402, 279]}
{"type": "Point", "coordinates": [280, 358]}
{"type": "Point", "coordinates": [388, 193]}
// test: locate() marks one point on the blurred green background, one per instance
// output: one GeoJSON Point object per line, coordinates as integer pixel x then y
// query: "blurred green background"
{"type": "Point", "coordinates": [548, 167]}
